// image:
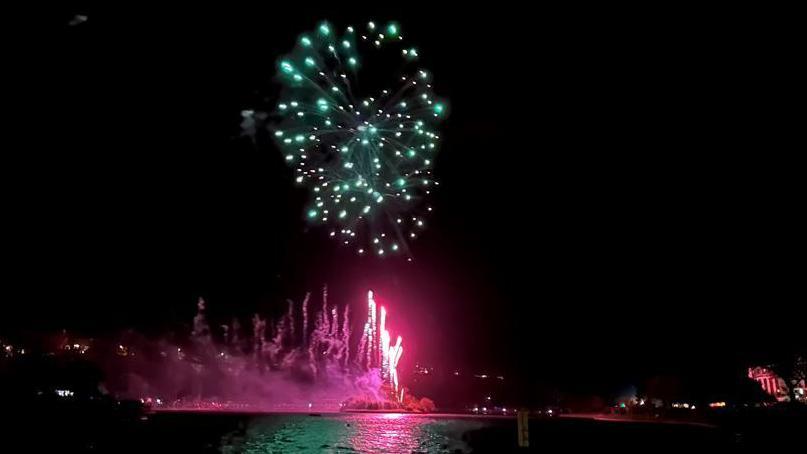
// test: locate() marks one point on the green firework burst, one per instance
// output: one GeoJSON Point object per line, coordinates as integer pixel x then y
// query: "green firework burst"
{"type": "Point", "coordinates": [357, 122]}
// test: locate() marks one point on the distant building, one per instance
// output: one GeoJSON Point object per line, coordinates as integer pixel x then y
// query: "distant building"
{"type": "Point", "coordinates": [771, 383]}
{"type": "Point", "coordinates": [801, 391]}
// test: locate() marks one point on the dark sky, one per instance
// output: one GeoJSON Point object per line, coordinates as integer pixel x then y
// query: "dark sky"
{"type": "Point", "coordinates": [617, 192]}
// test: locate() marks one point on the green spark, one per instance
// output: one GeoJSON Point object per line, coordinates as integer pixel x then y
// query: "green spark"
{"type": "Point", "coordinates": [287, 67]}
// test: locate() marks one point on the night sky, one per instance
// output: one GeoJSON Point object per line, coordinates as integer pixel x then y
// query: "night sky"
{"type": "Point", "coordinates": [616, 198]}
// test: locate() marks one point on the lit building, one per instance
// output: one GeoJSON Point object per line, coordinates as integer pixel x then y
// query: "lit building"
{"type": "Point", "coordinates": [801, 391]}
{"type": "Point", "coordinates": [771, 383]}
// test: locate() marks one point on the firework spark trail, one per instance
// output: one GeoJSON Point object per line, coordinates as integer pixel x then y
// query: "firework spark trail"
{"type": "Point", "coordinates": [371, 359]}
{"type": "Point", "coordinates": [362, 352]}
{"type": "Point", "coordinates": [384, 345]}
{"type": "Point", "coordinates": [305, 318]}
{"type": "Point", "coordinates": [334, 327]}
{"type": "Point", "coordinates": [258, 332]}
{"type": "Point", "coordinates": [394, 356]}
{"type": "Point", "coordinates": [290, 319]}
{"type": "Point", "coordinates": [346, 335]}
{"type": "Point", "coordinates": [324, 313]}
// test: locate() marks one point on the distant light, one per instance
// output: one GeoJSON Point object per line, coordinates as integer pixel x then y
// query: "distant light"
{"type": "Point", "coordinates": [78, 19]}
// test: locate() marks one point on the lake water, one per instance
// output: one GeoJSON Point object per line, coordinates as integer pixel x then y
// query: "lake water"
{"type": "Point", "coordinates": [222, 432]}
{"type": "Point", "coordinates": [350, 433]}
{"type": "Point", "coordinates": [408, 433]}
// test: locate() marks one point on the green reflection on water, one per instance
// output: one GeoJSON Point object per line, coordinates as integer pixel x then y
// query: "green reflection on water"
{"type": "Point", "coordinates": [389, 433]}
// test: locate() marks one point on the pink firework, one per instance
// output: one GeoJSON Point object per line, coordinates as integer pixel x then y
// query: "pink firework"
{"type": "Point", "coordinates": [387, 356]}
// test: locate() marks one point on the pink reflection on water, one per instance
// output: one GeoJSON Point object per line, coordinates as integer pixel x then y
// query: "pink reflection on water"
{"type": "Point", "coordinates": [388, 432]}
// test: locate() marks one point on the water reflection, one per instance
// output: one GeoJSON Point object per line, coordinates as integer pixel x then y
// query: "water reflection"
{"type": "Point", "coordinates": [391, 433]}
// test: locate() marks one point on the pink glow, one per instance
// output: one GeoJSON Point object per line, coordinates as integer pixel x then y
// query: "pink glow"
{"type": "Point", "coordinates": [386, 356]}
